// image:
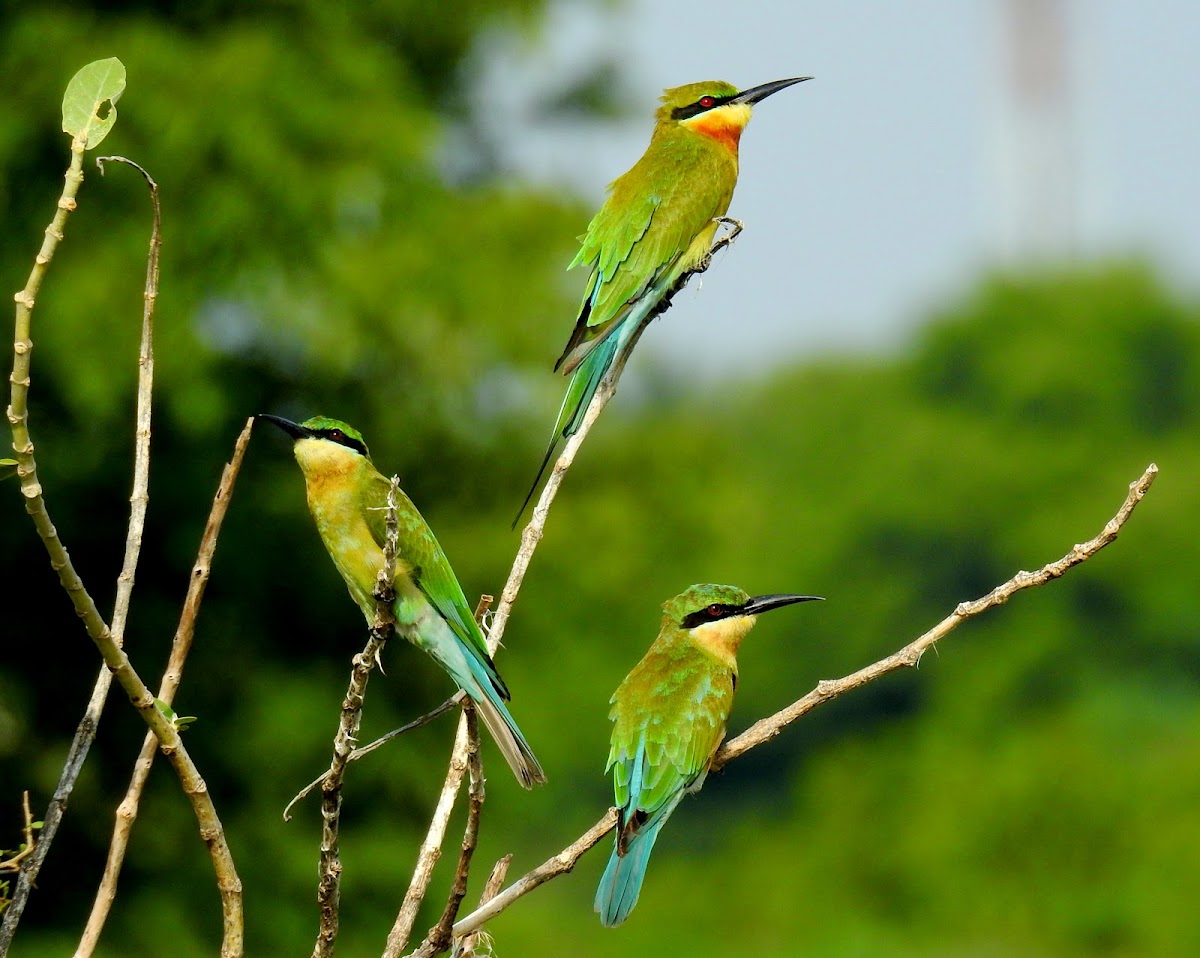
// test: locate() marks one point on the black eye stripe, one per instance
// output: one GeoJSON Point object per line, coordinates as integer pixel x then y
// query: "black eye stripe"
{"type": "Point", "coordinates": [695, 109]}
{"type": "Point", "coordinates": [336, 435]}
{"type": "Point", "coordinates": [710, 613]}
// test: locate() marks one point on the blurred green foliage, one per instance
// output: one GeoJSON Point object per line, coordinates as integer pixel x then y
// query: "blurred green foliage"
{"type": "Point", "coordinates": [1030, 790]}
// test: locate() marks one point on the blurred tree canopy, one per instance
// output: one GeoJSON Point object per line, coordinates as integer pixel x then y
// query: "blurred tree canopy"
{"type": "Point", "coordinates": [1030, 790]}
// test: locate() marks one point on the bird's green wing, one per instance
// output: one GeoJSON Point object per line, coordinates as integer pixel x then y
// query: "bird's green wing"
{"type": "Point", "coordinates": [651, 216]}
{"type": "Point", "coordinates": [669, 717]}
{"type": "Point", "coordinates": [429, 567]}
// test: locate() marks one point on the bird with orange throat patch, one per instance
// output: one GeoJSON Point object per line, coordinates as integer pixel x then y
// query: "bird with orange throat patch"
{"type": "Point", "coordinates": [655, 229]}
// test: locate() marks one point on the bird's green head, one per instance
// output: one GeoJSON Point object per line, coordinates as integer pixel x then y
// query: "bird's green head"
{"type": "Point", "coordinates": [692, 99]}
{"type": "Point", "coordinates": [719, 616]}
{"type": "Point", "coordinates": [714, 108]}
{"type": "Point", "coordinates": [710, 603]}
{"type": "Point", "coordinates": [323, 430]}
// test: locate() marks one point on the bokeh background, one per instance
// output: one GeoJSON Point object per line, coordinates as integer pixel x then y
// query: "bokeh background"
{"type": "Point", "coordinates": [963, 316]}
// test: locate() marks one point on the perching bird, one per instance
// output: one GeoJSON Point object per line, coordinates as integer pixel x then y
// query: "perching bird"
{"type": "Point", "coordinates": [669, 716]}
{"type": "Point", "coordinates": [655, 229]}
{"type": "Point", "coordinates": [347, 496]}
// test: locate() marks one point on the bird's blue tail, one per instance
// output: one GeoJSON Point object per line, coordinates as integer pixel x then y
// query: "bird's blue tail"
{"type": "Point", "coordinates": [580, 391]}
{"type": "Point", "coordinates": [621, 883]}
{"type": "Point", "coordinates": [481, 682]}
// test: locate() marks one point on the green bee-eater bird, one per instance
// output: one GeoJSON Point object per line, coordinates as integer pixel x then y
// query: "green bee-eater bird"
{"type": "Point", "coordinates": [669, 716]}
{"type": "Point", "coordinates": [347, 496]}
{"type": "Point", "coordinates": [655, 229]}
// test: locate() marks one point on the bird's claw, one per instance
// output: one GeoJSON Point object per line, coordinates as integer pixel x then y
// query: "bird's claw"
{"type": "Point", "coordinates": [735, 227]}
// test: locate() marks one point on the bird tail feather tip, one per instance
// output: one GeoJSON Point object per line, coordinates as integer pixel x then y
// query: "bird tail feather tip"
{"type": "Point", "coordinates": [510, 741]}
{"type": "Point", "coordinates": [621, 883]}
{"type": "Point", "coordinates": [585, 380]}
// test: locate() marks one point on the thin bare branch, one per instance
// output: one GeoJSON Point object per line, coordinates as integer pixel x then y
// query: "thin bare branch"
{"type": "Point", "coordinates": [468, 946]}
{"type": "Point", "coordinates": [431, 848]}
{"type": "Point", "coordinates": [13, 863]}
{"type": "Point", "coordinates": [127, 811]}
{"type": "Point", "coordinates": [330, 869]}
{"type": "Point", "coordinates": [438, 939]}
{"type": "Point", "coordinates": [766, 729]}
{"type": "Point", "coordinates": [18, 419]}
{"type": "Point", "coordinates": [446, 706]}
{"type": "Point", "coordinates": [140, 497]}
{"type": "Point", "coordinates": [97, 629]}
{"type": "Point", "coordinates": [826, 690]}
{"type": "Point", "coordinates": [552, 867]}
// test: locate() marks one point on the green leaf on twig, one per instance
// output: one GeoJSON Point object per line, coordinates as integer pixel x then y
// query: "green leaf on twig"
{"type": "Point", "coordinates": [179, 722]}
{"type": "Point", "coordinates": [8, 467]}
{"type": "Point", "coordinates": [90, 103]}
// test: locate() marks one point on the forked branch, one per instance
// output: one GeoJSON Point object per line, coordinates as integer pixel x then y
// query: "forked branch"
{"type": "Point", "coordinates": [768, 728]}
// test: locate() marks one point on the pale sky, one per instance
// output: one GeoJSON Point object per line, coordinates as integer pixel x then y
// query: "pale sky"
{"type": "Point", "coordinates": [880, 188]}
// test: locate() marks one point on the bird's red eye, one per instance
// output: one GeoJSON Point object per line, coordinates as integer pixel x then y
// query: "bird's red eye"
{"type": "Point", "coordinates": [337, 434]}
{"type": "Point", "coordinates": [707, 101]}
{"type": "Point", "coordinates": [714, 610]}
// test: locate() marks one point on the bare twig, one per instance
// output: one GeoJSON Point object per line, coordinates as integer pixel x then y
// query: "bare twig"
{"type": "Point", "coordinates": [140, 498]}
{"type": "Point", "coordinates": [358, 753]}
{"type": "Point", "coordinates": [766, 729]}
{"type": "Point", "coordinates": [495, 880]}
{"type": "Point", "coordinates": [18, 418]}
{"type": "Point", "coordinates": [438, 939]}
{"type": "Point", "coordinates": [127, 811]}
{"type": "Point", "coordinates": [228, 883]}
{"type": "Point", "coordinates": [557, 865]}
{"type": "Point", "coordinates": [431, 848]}
{"type": "Point", "coordinates": [466, 947]}
{"type": "Point", "coordinates": [13, 864]}
{"type": "Point", "coordinates": [330, 870]}
{"type": "Point", "coordinates": [826, 690]}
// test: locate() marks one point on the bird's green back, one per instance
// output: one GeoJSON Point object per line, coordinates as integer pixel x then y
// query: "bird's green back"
{"type": "Point", "coordinates": [427, 565]}
{"type": "Point", "coordinates": [654, 215]}
{"type": "Point", "coordinates": [346, 474]}
{"type": "Point", "coordinates": [669, 717]}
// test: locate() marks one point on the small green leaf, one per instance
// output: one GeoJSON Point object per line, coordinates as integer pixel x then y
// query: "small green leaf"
{"type": "Point", "coordinates": [85, 114]}
{"type": "Point", "coordinates": [183, 721]}
{"type": "Point", "coordinates": [8, 467]}
{"type": "Point", "coordinates": [178, 722]}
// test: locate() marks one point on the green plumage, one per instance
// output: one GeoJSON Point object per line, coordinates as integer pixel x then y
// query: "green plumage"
{"type": "Point", "coordinates": [348, 497]}
{"type": "Point", "coordinates": [654, 230]}
{"type": "Point", "coordinates": [669, 718]}
{"type": "Point", "coordinates": [672, 709]}
{"type": "Point", "coordinates": [648, 228]}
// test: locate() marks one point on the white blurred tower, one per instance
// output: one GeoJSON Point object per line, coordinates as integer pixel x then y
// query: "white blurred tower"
{"type": "Point", "coordinates": [1038, 169]}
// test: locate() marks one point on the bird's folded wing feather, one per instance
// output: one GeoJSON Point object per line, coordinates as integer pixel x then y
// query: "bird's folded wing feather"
{"type": "Point", "coordinates": [429, 567]}
{"type": "Point", "coordinates": [666, 732]}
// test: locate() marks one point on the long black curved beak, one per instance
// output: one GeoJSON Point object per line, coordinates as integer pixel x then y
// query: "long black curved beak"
{"type": "Point", "coordinates": [761, 92]}
{"type": "Point", "coordinates": [293, 429]}
{"type": "Point", "coordinates": [765, 603]}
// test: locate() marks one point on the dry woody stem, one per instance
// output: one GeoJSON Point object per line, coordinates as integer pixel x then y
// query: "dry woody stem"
{"type": "Point", "coordinates": [127, 811]}
{"type": "Point", "coordinates": [115, 659]}
{"type": "Point", "coordinates": [439, 937]}
{"type": "Point", "coordinates": [140, 498]}
{"type": "Point", "coordinates": [825, 691]}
